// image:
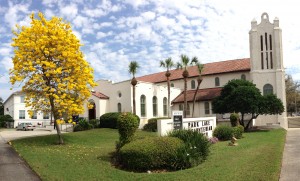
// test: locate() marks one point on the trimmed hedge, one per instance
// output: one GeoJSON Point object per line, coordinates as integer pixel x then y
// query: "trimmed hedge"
{"type": "Point", "coordinates": [152, 124]}
{"type": "Point", "coordinates": [110, 120]}
{"type": "Point", "coordinates": [151, 153]}
{"type": "Point", "coordinates": [127, 126]}
{"type": "Point", "coordinates": [82, 125]}
{"type": "Point", "coordinates": [223, 132]}
{"type": "Point", "coordinates": [234, 119]}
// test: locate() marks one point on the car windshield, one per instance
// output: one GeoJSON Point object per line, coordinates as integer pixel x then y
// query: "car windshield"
{"type": "Point", "coordinates": [28, 124]}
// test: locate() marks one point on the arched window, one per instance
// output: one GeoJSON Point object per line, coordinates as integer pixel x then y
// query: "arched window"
{"type": "Point", "coordinates": [165, 106]}
{"type": "Point", "coordinates": [188, 110]}
{"type": "Point", "coordinates": [206, 107]}
{"type": "Point", "coordinates": [193, 84]}
{"type": "Point", "coordinates": [180, 107]}
{"type": "Point", "coordinates": [143, 105]}
{"type": "Point", "coordinates": [119, 107]}
{"type": "Point", "coordinates": [268, 89]}
{"type": "Point", "coordinates": [172, 85]}
{"type": "Point", "coordinates": [243, 77]}
{"type": "Point", "coordinates": [217, 81]}
{"type": "Point", "coordinates": [154, 103]}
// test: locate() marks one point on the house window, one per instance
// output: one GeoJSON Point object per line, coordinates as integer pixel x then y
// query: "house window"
{"type": "Point", "coordinates": [193, 84]}
{"type": "Point", "coordinates": [243, 77]}
{"type": "Point", "coordinates": [34, 116]}
{"type": "Point", "coordinates": [21, 114]}
{"type": "Point", "coordinates": [154, 103]}
{"type": "Point", "coordinates": [217, 81]}
{"type": "Point", "coordinates": [45, 115]}
{"type": "Point", "coordinates": [180, 107]}
{"type": "Point", "coordinates": [172, 85]}
{"type": "Point", "coordinates": [22, 99]}
{"type": "Point", "coordinates": [143, 105]}
{"type": "Point", "coordinates": [165, 106]}
{"type": "Point", "coordinates": [206, 108]}
{"type": "Point", "coordinates": [188, 111]}
{"type": "Point", "coordinates": [119, 107]}
{"type": "Point", "coordinates": [268, 89]}
{"type": "Point", "coordinates": [119, 94]}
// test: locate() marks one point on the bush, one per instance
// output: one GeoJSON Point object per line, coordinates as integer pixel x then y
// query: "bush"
{"type": "Point", "coordinates": [152, 124]}
{"type": "Point", "coordinates": [5, 118]}
{"type": "Point", "coordinates": [94, 122]}
{"type": "Point", "coordinates": [82, 125]}
{"type": "Point", "coordinates": [196, 147]}
{"type": "Point", "coordinates": [127, 125]}
{"type": "Point", "coordinates": [110, 120]}
{"type": "Point", "coordinates": [223, 132]}
{"type": "Point", "coordinates": [234, 119]}
{"type": "Point", "coordinates": [151, 153]}
{"type": "Point", "coordinates": [238, 131]}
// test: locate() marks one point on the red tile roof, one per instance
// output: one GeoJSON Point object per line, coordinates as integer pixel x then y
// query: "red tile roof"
{"type": "Point", "coordinates": [202, 95]}
{"type": "Point", "coordinates": [209, 69]}
{"type": "Point", "coordinates": [100, 95]}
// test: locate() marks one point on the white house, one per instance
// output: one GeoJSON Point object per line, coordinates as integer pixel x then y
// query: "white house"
{"type": "Point", "coordinates": [264, 68]}
{"type": "Point", "coordinates": [15, 107]}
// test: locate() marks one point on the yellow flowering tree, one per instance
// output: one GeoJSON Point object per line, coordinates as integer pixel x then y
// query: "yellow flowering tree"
{"type": "Point", "coordinates": [49, 64]}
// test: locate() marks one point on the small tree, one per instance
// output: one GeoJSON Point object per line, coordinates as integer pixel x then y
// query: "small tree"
{"type": "Point", "coordinates": [49, 63]}
{"type": "Point", "coordinates": [132, 68]}
{"type": "Point", "coordinates": [241, 96]}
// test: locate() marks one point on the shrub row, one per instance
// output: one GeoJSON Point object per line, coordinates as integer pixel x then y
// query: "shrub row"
{"type": "Point", "coordinates": [110, 120]}
{"type": "Point", "coordinates": [152, 124]}
{"type": "Point", "coordinates": [223, 132]}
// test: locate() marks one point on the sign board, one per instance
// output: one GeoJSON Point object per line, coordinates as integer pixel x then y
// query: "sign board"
{"type": "Point", "coordinates": [177, 119]}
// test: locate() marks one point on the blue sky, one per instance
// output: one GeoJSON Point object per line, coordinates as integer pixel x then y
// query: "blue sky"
{"type": "Point", "coordinates": [117, 32]}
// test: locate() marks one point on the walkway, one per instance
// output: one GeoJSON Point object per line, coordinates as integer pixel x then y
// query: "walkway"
{"type": "Point", "coordinates": [290, 170]}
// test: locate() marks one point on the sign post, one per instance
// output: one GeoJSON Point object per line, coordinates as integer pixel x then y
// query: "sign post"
{"type": "Point", "coordinates": [177, 119]}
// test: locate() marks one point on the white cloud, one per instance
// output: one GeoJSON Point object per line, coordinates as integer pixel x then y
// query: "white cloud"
{"type": "Point", "coordinates": [49, 13]}
{"type": "Point", "coordinates": [14, 13]}
{"type": "Point", "coordinates": [147, 16]}
{"type": "Point", "coordinates": [137, 3]}
{"type": "Point", "coordinates": [69, 11]}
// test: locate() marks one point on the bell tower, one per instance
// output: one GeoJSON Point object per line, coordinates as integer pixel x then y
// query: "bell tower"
{"type": "Point", "coordinates": [266, 61]}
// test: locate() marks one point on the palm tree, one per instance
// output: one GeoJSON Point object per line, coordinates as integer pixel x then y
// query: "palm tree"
{"type": "Point", "coordinates": [184, 64]}
{"type": "Point", "coordinates": [168, 63]}
{"type": "Point", "coordinates": [133, 66]}
{"type": "Point", "coordinates": [199, 80]}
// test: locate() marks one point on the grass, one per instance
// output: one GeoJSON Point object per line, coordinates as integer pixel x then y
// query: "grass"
{"type": "Point", "coordinates": [85, 156]}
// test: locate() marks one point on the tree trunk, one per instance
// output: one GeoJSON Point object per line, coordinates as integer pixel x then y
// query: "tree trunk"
{"type": "Point", "coordinates": [185, 74]}
{"type": "Point", "coordinates": [199, 80]}
{"type": "Point", "coordinates": [168, 82]}
{"type": "Point", "coordinates": [242, 120]}
{"type": "Point", "coordinates": [53, 110]}
{"type": "Point", "coordinates": [133, 83]}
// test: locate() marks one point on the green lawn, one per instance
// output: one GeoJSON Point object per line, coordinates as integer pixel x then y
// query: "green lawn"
{"type": "Point", "coordinates": [85, 156]}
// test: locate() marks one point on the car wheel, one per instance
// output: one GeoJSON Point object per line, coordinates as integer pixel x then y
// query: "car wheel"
{"type": "Point", "coordinates": [24, 129]}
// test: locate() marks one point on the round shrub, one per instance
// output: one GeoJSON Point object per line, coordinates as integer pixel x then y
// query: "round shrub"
{"type": "Point", "coordinates": [242, 129]}
{"type": "Point", "coordinates": [94, 122]}
{"type": "Point", "coordinates": [127, 125]}
{"type": "Point", "coordinates": [82, 125]}
{"type": "Point", "coordinates": [223, 132]}
{"type": "Point", "coordinates": [150, 153]}
{"type": "Point", "coordinates": [234, 119]}
{"type": "Point", "coordinates": [196, 147]}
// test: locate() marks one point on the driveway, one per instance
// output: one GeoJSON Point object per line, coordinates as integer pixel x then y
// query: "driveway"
{"type": "Point", "coordinates": [11, 134]}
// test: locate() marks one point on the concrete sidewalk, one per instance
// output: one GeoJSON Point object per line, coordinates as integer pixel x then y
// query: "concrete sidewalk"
{"type": "Point", "coordinates": [12, 166]}
{"type": "Point", "coordinates": [290, 170]}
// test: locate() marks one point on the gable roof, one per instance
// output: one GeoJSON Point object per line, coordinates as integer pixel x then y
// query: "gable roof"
{"type": "Point", "coordinates": [202, 95]}
{"type": "Point", "coordinates": [100, 95]}
{"type": "Point", "coordinates": [209, 69]}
